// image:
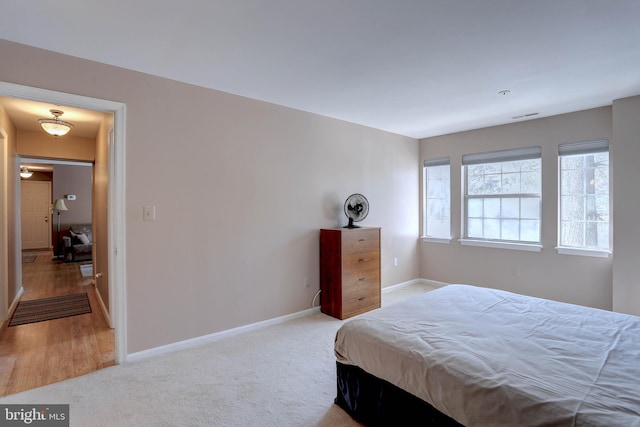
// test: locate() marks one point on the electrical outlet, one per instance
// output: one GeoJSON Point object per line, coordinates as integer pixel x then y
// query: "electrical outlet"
{"type": "Point", "coordinates": [307, 282]}
{"type": "Point", "coordinates": [395, 262]}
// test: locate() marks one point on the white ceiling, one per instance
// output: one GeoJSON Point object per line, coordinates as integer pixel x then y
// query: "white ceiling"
{"type": "Point", "coordinates": [414, 67]}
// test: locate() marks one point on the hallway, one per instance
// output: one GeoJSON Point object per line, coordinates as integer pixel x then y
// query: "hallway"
{"type": "Point", "coordinates": [42, 353]}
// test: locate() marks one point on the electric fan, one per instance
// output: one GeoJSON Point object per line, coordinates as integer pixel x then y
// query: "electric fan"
{"type": "Point", "coordinates": [356, 208]}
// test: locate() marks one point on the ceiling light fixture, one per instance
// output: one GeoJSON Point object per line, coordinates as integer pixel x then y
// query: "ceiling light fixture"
{"type": "Point", "coordinates": [504, 92]}
{"type": "Point", "coordinates": [25, 172]}
{"type": "Point", "coordinates": [55, 126]}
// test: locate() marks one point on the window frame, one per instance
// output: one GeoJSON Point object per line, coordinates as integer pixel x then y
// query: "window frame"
{"type": "Point", "coordinates": [526, 153]}
{"type": "Point", "coordinates": [434, 162]}
{"type": "Point", "coordinates": [583, 148]}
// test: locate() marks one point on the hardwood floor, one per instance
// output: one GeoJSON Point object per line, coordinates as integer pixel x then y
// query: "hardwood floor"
{"type": "Point", "coordinates": [42, 353]}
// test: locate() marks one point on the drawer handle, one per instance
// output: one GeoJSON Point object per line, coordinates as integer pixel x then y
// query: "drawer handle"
{"type": "Point", "coordinates": [362, 279]}
{"type": "Point", "coordinates": [362, 259]}
{"type": "Point", "coordinates": [361, 240]}
{"type": "Point", "coordinates": [361, 298]}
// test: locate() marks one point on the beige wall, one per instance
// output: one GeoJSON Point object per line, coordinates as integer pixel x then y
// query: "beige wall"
{"type": "Point", "coordinates": [241, 188]}
{"type": "Point", "coordinates": [69, 147]}
{"type": "Point", "coordinates": [575, 279]}
{"type": "Point", "coordinates": [625, 154]}
{"type": "Point", "coordinates": [76, 180]}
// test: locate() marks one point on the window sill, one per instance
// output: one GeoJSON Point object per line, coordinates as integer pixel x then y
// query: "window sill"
{"type": "Point", "coordinates": [597, 253]}
{"type": "Point", "coordinates": [531, 247]}
{"type": "Point", "coordinates": [445, 240]}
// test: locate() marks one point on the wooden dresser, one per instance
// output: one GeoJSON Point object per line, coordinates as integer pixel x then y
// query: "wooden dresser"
{"type": "Point", "coordinates": [349, 271]}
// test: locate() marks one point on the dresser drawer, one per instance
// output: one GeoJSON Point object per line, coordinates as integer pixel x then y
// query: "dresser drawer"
{"type": "Point", "coordinates": [360, 299]}
{"type": "Point", "coordinates": [362, 261]}
{"type": "Point", "coordinates": [353, 280]}
{"type": "Point", "coordinates": [360, 282]}
{"type": "Point", "coordinates": [361, 287]}
{"type": "Point", "coordinates": [361, 241]}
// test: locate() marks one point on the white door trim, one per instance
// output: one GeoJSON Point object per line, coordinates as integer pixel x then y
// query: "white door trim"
{"type": "Point", "coordinates": [4, 247]}
{"type": "Point", "coordinates": [116, 212]}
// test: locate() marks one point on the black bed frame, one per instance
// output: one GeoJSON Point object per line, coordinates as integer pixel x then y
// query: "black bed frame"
{"type": "Point", "coordinates": [376, 402]}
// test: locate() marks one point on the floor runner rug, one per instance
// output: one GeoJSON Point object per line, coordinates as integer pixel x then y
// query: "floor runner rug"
{"type": "Point", "coordinates": [39, 310]}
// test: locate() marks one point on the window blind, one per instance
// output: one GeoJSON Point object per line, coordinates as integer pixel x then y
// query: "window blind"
{"type": "Point", "coordinates": [439, 161]}
{"type": "Point", "coordinates": [502, 155]}
{"type": "Point", "coordinates": [583, 147]}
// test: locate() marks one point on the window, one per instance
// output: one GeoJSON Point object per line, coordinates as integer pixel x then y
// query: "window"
{"type": "Point", "coordinates": [584, 195]}
{"type": "Point", "coordinates": [437, 199]}
{"type": "Point", "coordinates": [502, 196]}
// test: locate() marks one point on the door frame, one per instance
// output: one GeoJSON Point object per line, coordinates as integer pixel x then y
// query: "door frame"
{"type": "Point", "coordinates": [116, 200]}
{"type": "Point", "coordinates": [4, 226]}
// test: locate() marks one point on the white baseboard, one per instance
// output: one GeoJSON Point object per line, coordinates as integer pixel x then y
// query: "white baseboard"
{"type": "Point", "coordinates": [194, 342]}
{"type": "Point", "coordinates": [400, 285]}
{"type": "Point", "coordinates": [434, 283]}
{"type": "Point", "coordinates": [14, 303]}
{"type": "Point", "coordinates": [427, 282]}
{"type": "Point", "coordinates": [103, 307]}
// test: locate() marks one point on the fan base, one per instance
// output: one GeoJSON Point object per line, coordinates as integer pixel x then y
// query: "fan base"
{"type": "Point", "coordinates": [350, 225]}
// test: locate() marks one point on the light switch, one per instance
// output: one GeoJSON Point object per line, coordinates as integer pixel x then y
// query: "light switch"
{"type": "Point", "coordinates": [148, 213]}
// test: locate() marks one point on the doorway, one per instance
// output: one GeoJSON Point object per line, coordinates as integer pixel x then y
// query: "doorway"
{"type": "Point", "coordinates": [37, 353]}
{"type": "Point", "coordinates": [35, 213]}
{"type": "Point", "coordinates": [115, 202]}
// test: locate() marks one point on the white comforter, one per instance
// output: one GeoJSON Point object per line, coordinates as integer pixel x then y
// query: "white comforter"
{"type": "Point", "coordinates": [493, 358]}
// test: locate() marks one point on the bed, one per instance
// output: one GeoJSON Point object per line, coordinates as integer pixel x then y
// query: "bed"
{"type": "Point", "coordinates": [472, 356]}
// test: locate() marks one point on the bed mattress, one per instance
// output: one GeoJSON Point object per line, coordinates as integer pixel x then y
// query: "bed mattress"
{"type": "Point", "coordinates": [486, 357]}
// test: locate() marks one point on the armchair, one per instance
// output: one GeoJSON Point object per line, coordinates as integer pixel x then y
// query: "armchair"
{"type": "Point", "coordinates": [77, 243]}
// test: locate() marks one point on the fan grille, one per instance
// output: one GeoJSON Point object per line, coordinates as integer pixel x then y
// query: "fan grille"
{"type": "Point", "coordinates": [356, 208]}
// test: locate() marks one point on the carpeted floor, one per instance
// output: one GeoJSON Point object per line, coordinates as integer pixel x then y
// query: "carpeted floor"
{"type": "Point", "coordinates": [279, 375]}
{"type": "Point", "coordinates": [42, 309]}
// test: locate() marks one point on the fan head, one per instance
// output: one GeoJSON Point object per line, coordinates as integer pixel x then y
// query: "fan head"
{"type": "Point", "coordinates": [356, 208]}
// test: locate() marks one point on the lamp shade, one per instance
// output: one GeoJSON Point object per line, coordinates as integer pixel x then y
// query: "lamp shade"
{"type": "Point", "coordinates": [55, 126]}
{"type": "Point", "coordinates": [25, 172]}
{"type": "Point", "coordinates": [59, 205]}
